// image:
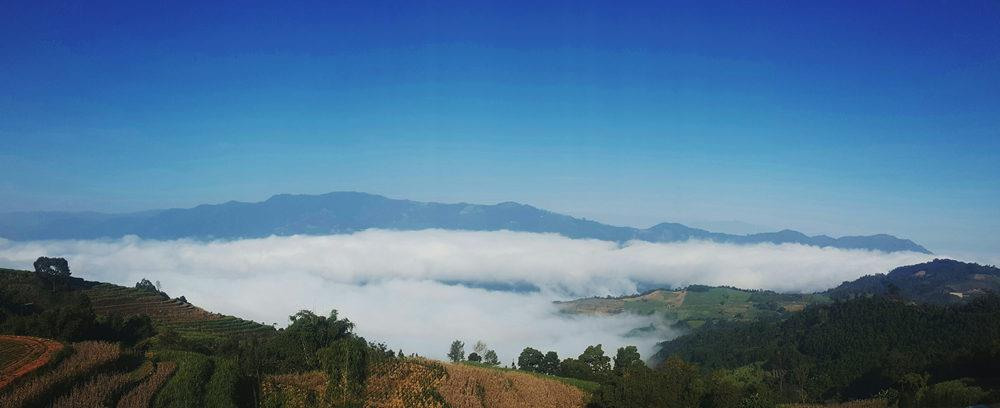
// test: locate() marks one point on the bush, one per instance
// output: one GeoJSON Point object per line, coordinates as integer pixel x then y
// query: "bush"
{"type": "Point", "coordinates": [955, 393]}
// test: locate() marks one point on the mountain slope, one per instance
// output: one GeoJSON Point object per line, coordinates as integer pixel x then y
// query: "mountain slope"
{"type": "Point", "coordinates": [344, 212]}
{"type": "Point", "coordinates": [695, 305]}
{"type": "Point", "coordinates": [938, 281]}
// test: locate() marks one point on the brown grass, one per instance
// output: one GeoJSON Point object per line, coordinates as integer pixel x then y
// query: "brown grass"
{"type": "Point", "coordinates": [412, 382]}
{"type": "Point", "coordinates": [22, 355]}
{"type": "Point", "coordinates": [299, 390]}
{"type": "Point", "coordinates": [468, 386]}
{"type": "Point", "coordinates": [868, 403]}
{"type": "Point", "coordinates": [100, 390]}
{"type": "Point", "coordinates": [795, 307]}
{"type": "Point", "coordinates": [409, 383]}
{"type": "Point", "coordinates": [142, 394]}
{"type": "Point", "coordinates": [422, 383]}
{"type": "Point", "coordinates": [86, 357]}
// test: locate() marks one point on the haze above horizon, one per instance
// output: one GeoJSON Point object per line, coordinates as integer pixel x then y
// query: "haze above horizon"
{"type": "Point", "coordinates": [876, 118]}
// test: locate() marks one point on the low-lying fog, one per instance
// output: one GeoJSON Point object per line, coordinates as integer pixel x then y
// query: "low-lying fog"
{"type": "Point", "coordinates": [400, 287]}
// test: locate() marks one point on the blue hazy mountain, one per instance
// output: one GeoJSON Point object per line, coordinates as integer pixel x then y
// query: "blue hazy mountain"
{"type": "Point", "coordinates": [344, 212]}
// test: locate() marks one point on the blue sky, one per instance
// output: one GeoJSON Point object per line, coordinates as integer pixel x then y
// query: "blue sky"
{"type": "Point", "coordinates": [840, 118]}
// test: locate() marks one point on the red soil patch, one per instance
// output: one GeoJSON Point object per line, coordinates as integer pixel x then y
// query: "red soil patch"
{"type": "Point", "coordinates": [24, 354]}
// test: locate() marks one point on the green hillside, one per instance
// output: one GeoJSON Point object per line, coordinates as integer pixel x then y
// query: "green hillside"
{"type": "Point", "coordinates": [167, 314]}
{"type": "Point", "coordinates": [693, 306]}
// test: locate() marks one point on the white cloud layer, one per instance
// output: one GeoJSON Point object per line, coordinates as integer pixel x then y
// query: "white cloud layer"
{"type": "Point", "coordinates": [390, 282]}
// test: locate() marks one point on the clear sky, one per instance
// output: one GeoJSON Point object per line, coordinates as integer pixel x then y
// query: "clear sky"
{"type": "Point", "coordinates": [840, 118]}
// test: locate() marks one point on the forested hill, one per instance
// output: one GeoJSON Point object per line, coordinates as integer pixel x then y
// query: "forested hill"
{"type": "Point", "coordinates": [862, 348]}
{"type": "Point", "coordinates": [938, 281]}
{"type": "Point", "coordinates": [344, 212]}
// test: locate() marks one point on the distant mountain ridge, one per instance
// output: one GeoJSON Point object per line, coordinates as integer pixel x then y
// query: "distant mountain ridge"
{"type": "Point", "coordinates": [345, 212]}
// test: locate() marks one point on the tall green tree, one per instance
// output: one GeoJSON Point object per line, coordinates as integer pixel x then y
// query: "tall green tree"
{"type": "Point", "coordinates": [626, 357]}
{"type": "Point", "coordinates": [550, 363]}
{"type": "Point", "coordinates": [594, 358]}
{"type": "Point", "coordinates": [530, 360]}
{"type": "Point", "coordinates": [491, 358]}
{"type": "Point", "coordinates": [456, 352]}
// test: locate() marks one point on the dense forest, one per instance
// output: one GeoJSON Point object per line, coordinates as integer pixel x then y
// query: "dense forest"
{"type": "Point", "coordinates": [910, 354]}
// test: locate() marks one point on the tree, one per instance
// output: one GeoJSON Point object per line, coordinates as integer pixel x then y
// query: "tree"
{"type": "Point", "coordinates": [595, 359]}
{"type": "Point", "coordinates": [146, 285]}
{"type": "Point", "coordinates": [550, 363]}
{"type": "Point", "coordinates": [58, 267]}
{"type": "Point", "coordinates": [480, 348]}
{"type": "Point", "coordinates": [574, 368]}
{"type": "Point", "coordinates": [457, 351]}
{"type": "Point", "coordinates": [626, 357]}
{"type": "Point", "coordinates": [530, 360]}
{"type": "Point", "coordinates": [474, 357]}
{"type": "Point", "coordinates": [345, 361]}
{"type": "Point", "coordinates": [911, 389]}
{"type": "Point", "coordinates": [675, 384]}
{"type": "Point", "coordinates": [490, 358]}
{"type": "Point", "coordinates": [310, 332]}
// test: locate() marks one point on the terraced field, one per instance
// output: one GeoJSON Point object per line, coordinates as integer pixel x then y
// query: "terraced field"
{"type": "Point", "coordinates": [183, 318]}
{"type": "Point", "coordinates": [93, 374]}
{"type": "Point", "coordinates": [20, 355]}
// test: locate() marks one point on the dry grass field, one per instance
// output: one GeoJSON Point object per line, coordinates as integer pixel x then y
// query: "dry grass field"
{"type": "Point", "coordinates": [20, 355]}
{"type": "Point", "coordinates": [868, 403]}
{"type": "Point", "coordinates": [301, 390]}
{"type": "Point", "coordinates": [422, 383]}
{"type": "Point", "coordinates": [469, 386]}
{"type": "Point", "coordinates": [412, 382]}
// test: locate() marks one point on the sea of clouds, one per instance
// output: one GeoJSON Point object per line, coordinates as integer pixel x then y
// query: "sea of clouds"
{"type": "Point", "coordinates": [419, 290]}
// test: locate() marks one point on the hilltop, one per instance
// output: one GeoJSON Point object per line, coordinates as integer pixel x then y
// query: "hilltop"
{"type": "Point", "coordinates": [345, 212]}
{"type": "Point", "coordinates": [938, 281]}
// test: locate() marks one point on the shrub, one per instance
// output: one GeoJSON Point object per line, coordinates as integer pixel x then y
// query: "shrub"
{"type": "Point", "coordinates": [955, 393]}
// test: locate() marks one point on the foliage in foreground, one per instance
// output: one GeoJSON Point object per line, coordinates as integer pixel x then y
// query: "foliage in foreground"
{"type": "Point", "coordinates": [875, 349]}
